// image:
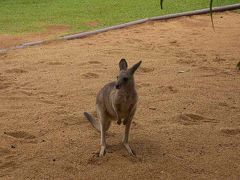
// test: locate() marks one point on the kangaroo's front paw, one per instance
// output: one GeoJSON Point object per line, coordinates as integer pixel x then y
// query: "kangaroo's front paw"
{"type": "Point", "coordinates": [102, 151]}
{"type": "Point", "coordinates": [119, 122]}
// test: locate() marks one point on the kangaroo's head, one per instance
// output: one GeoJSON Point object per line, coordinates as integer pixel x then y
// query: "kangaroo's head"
{"type": "Point", "coordinates": [125, 77]}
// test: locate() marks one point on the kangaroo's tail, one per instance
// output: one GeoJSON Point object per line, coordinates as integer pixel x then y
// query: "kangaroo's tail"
{"type": "Point", "coordinates": [92, 120]}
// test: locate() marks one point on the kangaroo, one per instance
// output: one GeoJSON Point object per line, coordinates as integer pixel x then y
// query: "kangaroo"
{"type": "Point", "coordinates": [116, 101]}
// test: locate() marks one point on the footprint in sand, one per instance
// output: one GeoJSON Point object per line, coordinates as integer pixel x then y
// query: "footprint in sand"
{"type": "Point", "coordinates": [47, 101]}
{"type": "Point", "coordinates": [20, 134]}
{"type": "Point", "coordinates": [4, 151]}
{"type": "Point", "coordinates": [70, 120]}
{"type": "Point", "coordinates": [55, 63]}
{"type": "Point", "coordinates": [219, 59]}
{"type": "Point", "coordinates": [7, 156]}
{"type": "Point", "coordinates": [96, 160]}
{"type": "Point", "coordinates": [2, 78]}
{"type": "Point", "coordinates": [230, 131]}
{"type": "Point", "coordinates": [213, 70]}
{"type": "Point", "coordinates": [94, 62]}
{"type": "Point", "coordinates": [172, 89]}
{"type": "Point", "coordinates": [207, 68]}
{"type": "Point", "coordinates": [185, 61]}
{"type": "Point", "coordinates": [167, 89]}
{"type": "Point", "coordinates": [3, 83]}
{"type": "Point", "coordinates": [9, 164]}
{"type": "Point", "coordinates": [174, 42]}
{"type": "Point", "coordinates": [143, 85]}
{"type": "Point", "coordinates": [90, 76]}
{"type": "Point", "coordinates": [194, 119]}
{"type": "Point", "coordinates": [2, 114]}
{"type": "Point", "coordinates": [16, 71]}
{"type": "Point", "coordinates": [145, 70]}
{"type": "Point", "coordinates": [28, 93]}
{"type": "Point", "coordinates": [89, 62]}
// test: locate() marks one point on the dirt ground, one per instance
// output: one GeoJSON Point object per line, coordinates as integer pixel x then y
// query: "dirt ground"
{"type": "Point", "coordinates": [187, 124]}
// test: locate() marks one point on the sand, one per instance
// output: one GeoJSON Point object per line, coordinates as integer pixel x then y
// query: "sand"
{"type": "Point", "coordinates": [187, 124]}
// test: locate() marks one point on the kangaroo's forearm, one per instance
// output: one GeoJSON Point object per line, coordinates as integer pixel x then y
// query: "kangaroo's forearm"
{"type": "Point", "coordinates": [130, 115]}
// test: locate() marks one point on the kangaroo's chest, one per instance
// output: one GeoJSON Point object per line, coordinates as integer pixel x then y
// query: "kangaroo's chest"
{"type": "Point", "coordinates": [124, 105]}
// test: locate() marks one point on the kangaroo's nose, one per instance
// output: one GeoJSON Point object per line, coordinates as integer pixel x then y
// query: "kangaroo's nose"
{"type": "Point", "coordinates": [117, 86]}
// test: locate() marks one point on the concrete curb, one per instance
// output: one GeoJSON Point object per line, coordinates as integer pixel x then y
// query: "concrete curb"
{"type": "Point", "coordinates": [165, 17]}
{"type": "Point", "coordinates": [89, 33]}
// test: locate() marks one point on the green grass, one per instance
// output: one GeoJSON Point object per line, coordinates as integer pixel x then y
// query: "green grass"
{"type": "Point", "coordinates": [24, 16]}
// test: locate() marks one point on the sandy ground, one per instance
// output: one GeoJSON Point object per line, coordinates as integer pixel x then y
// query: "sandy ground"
{"type": "Point", "coordinates": [187, 124]}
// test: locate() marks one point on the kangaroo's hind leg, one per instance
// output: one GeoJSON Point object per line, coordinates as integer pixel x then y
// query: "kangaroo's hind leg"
{"type": "Point", "coordinates": [104, 126]}
{"type": "Point", "coordinates": [128, 123]}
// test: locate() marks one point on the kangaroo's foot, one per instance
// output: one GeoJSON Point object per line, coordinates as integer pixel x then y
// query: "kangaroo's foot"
{"type": "Point", "coordinates": [130, 151]}
{"type": "Point", "coordinates": [125, 121]}
{"type": "Point", "coordinates": [119, 121]}
{"type": "Point", "coordinates": [102, 151]}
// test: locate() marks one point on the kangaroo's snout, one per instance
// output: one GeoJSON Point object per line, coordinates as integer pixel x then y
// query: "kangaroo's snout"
{"type": "Point", "coordinates": [121, 82]}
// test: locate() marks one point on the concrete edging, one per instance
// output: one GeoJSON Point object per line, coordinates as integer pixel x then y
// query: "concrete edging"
{"type": "Point", "coordinates": [164, 17]}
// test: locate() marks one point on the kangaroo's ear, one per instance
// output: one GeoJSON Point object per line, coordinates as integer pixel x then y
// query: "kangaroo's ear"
{"type": "Point", "coordinates": [123, 64]}
{"type": "Point", "coordinates": [134, 67]}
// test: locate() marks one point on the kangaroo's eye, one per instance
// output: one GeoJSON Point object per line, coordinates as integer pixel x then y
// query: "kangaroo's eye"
{"type": "Point", "coordinates": [117, 77]}
{"type": "Point", "coordinates": [125, 79]}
